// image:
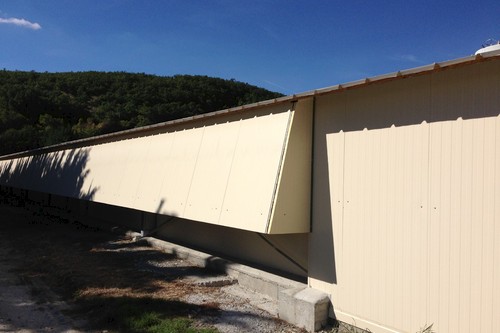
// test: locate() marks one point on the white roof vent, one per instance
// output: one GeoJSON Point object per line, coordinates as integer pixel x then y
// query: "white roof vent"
{"type": "Point", "coordinates": [490, 46]}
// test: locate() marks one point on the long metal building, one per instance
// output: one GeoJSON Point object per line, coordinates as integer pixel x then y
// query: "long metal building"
{"type": "Point", "coordinates": [384, 193]}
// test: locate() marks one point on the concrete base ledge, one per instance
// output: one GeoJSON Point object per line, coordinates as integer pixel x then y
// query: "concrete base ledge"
{"type": "Point", "coordinates": [297, 303]}
{"type": "Point", "coordinates": [251, 278]}
{"type": "Point", "coordinates": [307, 308]}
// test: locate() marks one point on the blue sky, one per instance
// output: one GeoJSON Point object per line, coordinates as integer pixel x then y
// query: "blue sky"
{"type": "Point", "coordinates": [286, 46]}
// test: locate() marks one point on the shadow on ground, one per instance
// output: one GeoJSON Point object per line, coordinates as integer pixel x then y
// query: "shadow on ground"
{"type": "Point", "coordinates": [108, 276]}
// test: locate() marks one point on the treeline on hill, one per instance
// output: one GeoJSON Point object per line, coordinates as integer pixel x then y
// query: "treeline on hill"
{"type": "Point", "coordinates": [40, 109]}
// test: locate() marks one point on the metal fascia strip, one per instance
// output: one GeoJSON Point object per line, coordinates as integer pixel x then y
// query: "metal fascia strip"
{"type": "Point", "coordinates": [280, 167]}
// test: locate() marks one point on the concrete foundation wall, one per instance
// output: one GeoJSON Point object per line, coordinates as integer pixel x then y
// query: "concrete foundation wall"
{"type": "Point", "coordinates": [285, 255]}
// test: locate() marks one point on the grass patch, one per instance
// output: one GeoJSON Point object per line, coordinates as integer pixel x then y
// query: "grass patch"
{"type": "Point", "coordinates": [143, 315]}
{"type": "Point", "coordinates": [153, 323]}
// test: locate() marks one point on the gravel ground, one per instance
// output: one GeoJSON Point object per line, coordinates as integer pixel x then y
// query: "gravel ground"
{"type": "Point", "coordinates": [48, 265]}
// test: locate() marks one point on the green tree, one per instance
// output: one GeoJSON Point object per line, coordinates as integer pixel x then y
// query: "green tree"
{"type": "Point", "coordinates": [52, 130]}
{"type": "Point", "coordinates": [53, 107]}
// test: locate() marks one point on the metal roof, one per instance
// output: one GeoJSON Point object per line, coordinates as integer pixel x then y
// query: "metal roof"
{"type": "Point", "coordinates": [438, 66]}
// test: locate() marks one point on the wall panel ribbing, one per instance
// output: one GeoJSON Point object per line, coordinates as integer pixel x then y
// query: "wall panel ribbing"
{"type": "Point", "coordinates": [419, 226]}
{"type": "Point", "coordinates": [224, 171]}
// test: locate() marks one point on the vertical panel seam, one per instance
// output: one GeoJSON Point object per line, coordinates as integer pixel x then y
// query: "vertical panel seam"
{"type": "Point", "coordinates": [429, 202]}
{"type": "Point", "coordinates": [230, 171]}
{"type": "Point", "coordinates": [194, 171]}
{"type": "Point", "coordinates": [162, 185]}
{"type": "Point", "coordinates": [495, 193]}
{"type": "Point", "coordinates": [137, 190]}
{"type": "Point", "coordinates": [311, 187]}
{"type": "Point", "coordinates": [483, 163]}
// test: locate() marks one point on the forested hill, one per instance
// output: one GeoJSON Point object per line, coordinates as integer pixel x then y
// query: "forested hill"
{"type": "Point", "coordinates": [39, 109]}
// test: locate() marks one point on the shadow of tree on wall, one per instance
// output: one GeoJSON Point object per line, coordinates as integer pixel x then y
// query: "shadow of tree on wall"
{"type": "Point", "coordinates": [60, 173]}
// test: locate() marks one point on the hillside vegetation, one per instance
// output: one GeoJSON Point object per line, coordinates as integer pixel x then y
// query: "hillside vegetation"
{"type": "Point", "coordinates": [40, 109]}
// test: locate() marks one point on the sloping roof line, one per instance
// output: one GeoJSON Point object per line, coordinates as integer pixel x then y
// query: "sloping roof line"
{"type": "Point", "coordinates": [290, 98]}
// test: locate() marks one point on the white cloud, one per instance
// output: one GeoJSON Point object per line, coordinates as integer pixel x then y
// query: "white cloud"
{"type": "Point", "coordinates": [407, 58]}
{"type": "Point", "coordinates": [21, 23]}
{"type": "Point", "coordinates": [274, 84]}
{"type": "Point", "coordinates": [410, 57]}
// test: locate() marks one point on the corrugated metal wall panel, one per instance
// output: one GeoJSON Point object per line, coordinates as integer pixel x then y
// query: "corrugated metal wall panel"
{"type": "Point", "coordinates": [213, 167]}
{"type": "Point", "coordinates": [223, 171]}
{"type": "Point", "coordinates": [133, 172]}
{"type": "Point", "coordinates": [420, 221]}
{"type": "Point", "coordinates": [496, 241]}
{"type": "Point", "coordinates": [180, 166]}
{"type": "Point", "coordinates": [156, 164]}
{"type": "Point", "coordinates": [254, 171]}
{"type": "Point", "coordinates": [463, 177]}
{"type": "Point", "coordinates": [325, 241]}
{"type": "Point", "coordinates": [377, 172]}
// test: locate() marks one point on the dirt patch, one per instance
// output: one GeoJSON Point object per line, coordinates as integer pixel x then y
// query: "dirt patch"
{"type": "Point", "coordinates": [80, 275]}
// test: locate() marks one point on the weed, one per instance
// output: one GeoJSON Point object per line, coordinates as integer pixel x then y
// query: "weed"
{"type": "Point", "coordinates": [427, 329]}
{"type": "Point", "coordinates": [152, 322]}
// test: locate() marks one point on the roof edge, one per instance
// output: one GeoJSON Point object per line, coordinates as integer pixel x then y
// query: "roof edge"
{"type": "Point", "coordinates": [290, 98]}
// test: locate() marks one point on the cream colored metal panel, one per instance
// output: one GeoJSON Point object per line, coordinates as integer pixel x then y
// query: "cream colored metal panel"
{"type": "Point", "coordinates": [116, 169]}
{"type": "Point", "coordinates": [213, 167]}
{"type": "Point", "coordinates": [8, 175]}
{"type": "Point", "coordinates": [291, 210]}
{"type": "Point", "coordinates": [488, 229]}
{"type": "Point", "coordinates": [325, 245]}
{"type": "Point", "coordinates": [476, 220]}
{"type": "Point", "coordinates": [28, 181]}
{"type": "Point", "coordinates": [179, 173]}
{"type": "Point", "coordinates": [106, 170]}
{"type": "Point", "coordinates": [351, 230]}
{"type": "Point", "coordinates": [195, 172]}
{"type": "Point", "coordinates": [369, 191]}
{"type": "Point", "coordinates": [384, 194]}
{"type": "Point", "coordinates": [489, 320]}
{"type": "Point", "coordinates": [157, 168]}
{"type": "Point", "coordinates": [254, 172]}
{"type": "Point", "coordinates": [455, 174]}
{"type": "Point", "coordinates": [420, 224]}
{"type": "Point", "coordinates": [440, 202]}
{"type": "Point", "coordinates": [10, 169]}
{"type": "Point", "coordinates": [336, 152]}
{"type": "Point", "coordinates": [463, 175]}
{"type": "Point", "coordinates": [29, 175]}
{"type": "Point", "coordinates": [134, 172]}
{"type": "Point", "coordinates": [404, 204]}
{"type": "Point", "coordinates": [65, 174]}
{"type": "Point", "coordinates": [445, 215]}
{"type": "Point", "coordinates": [40, 172]}
{"type": "Point", "coordinates": [494, 215]}
{"type": "Point", "coordinates": [208, 170]}
{"type": "Point", "coordinates": [96, 159]}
